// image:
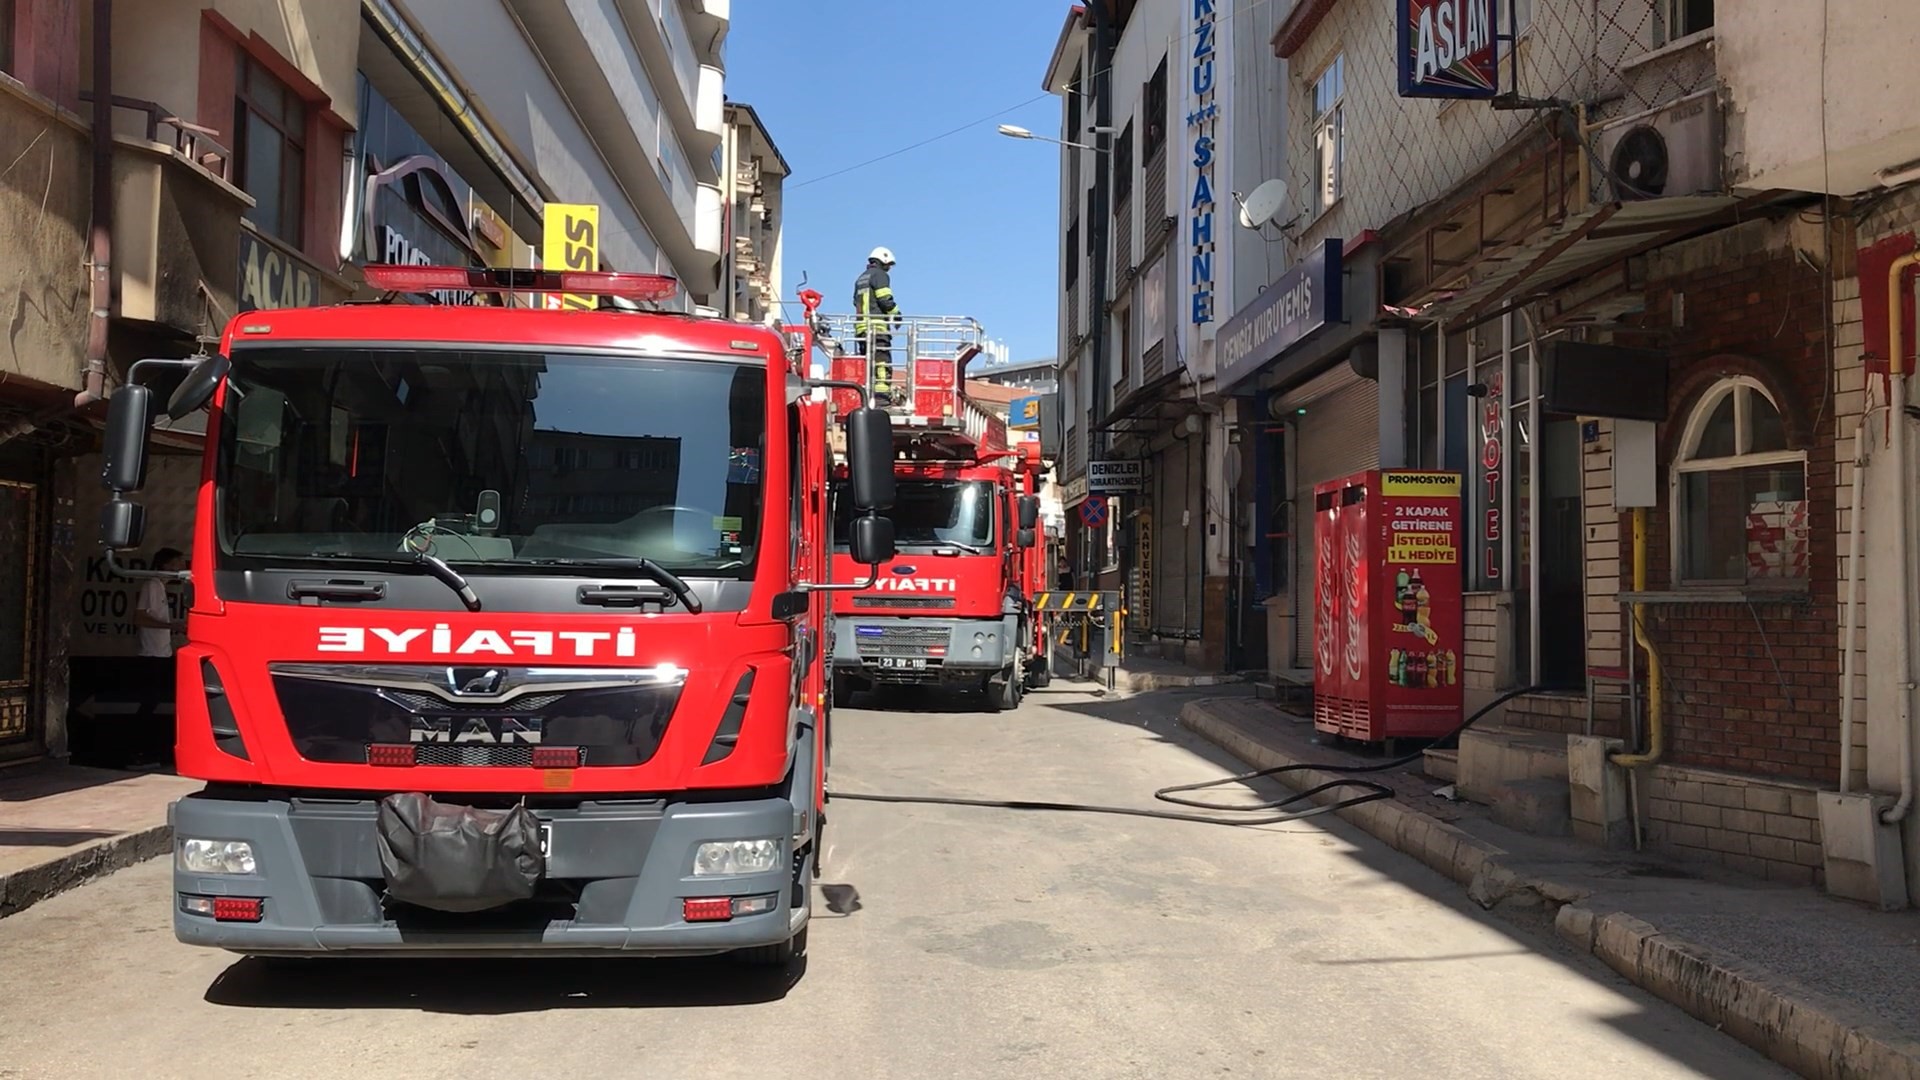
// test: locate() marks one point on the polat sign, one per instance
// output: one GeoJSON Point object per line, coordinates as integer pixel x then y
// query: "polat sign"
{"type": "Point", "coordinates": [1448, 48]}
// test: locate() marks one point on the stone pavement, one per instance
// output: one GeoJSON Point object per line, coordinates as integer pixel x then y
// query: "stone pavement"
{"type": "Point", "coordinates": [1825, 987]}
{"type": "Point", "coordinates": [62, 826]}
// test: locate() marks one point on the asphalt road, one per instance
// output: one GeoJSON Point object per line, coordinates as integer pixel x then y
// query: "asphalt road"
{"type": "Point", "coordinates": [967, 943]}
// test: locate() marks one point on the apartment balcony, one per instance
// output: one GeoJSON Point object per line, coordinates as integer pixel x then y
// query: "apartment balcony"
{"type": "Point", "coordinates": [710, 109]}
{"type": "Point", "coordinates": [709, 234]}
{"type": "Point", "coordinates": [177, 228]}
{"type": "Point", "coordinates": [746, 254]}
{"type": "Point", "coordinates": [707, 23]}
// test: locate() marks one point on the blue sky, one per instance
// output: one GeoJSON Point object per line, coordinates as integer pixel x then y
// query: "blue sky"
{"type": "Point", "coordinates": [974, 217]}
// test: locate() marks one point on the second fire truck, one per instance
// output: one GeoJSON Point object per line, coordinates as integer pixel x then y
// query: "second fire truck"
{"type": "Point", "coordinates": [954, 606]}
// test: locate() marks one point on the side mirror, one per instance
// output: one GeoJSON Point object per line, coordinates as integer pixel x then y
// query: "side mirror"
{"type": "Point", "coordinates": [1024, 538]}
{"type": "Point", "coordinates": [124, 454]}
{"type": "Point", "coordinates": [123, 525]}
{"type": "Point", "coordinates": [197, 388]}
{"type": "Point", "coordinates": [1029, 511]}
{"type": "Point", "coordinates": [872, 540]}
{"type": "Point", "coordinates": [870, 460]}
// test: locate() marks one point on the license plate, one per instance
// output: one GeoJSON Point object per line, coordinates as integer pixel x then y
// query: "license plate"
{"type": "Point", "coordinates": [902, 662]}
{"type": "Point", "coordinates": [546, 840]}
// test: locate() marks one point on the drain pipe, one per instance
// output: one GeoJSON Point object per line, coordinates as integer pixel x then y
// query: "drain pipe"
{"type": "Point", "coordinates": [100, 236]}
{"type": "Point", "coordinates": [1655, 741]}
{"type": "Point", "coordinates": [1897, 450]}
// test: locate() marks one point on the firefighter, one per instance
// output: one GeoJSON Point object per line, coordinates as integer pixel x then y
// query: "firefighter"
{"type": "Point", "coordinates": [875, 315]}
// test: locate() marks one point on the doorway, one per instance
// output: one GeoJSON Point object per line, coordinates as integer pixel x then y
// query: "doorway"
{"type": "Point", "coordinates": [19, 603]}
{"type": "Point", "coordinates": [1562, 563]}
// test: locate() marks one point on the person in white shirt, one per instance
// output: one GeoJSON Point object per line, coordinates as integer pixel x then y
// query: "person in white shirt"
{"type": "Point", "coordinates": [152, 615]}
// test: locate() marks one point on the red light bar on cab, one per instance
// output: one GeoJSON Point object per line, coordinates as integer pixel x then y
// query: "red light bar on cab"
{"type": "Point", "coordinates": [413, 279]}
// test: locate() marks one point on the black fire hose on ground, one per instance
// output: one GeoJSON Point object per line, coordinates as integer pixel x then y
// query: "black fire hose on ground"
{"type": "Point", "coordinates": [1274, 812]}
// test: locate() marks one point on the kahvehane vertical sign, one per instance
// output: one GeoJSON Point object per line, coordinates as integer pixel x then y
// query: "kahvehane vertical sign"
{"type": "Point", "coordinates": [1448, 48]}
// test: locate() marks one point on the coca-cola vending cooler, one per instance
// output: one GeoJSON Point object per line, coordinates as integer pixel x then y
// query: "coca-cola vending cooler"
{"type": "Point", "coordinates": [1388, 623]}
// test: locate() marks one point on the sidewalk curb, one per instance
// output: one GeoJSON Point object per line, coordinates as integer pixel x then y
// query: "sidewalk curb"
{"type": "Point", "coordinates": [1803, 1029]}
{"type": "Point", "coordinates": [22, 889]}
{"type": "Point", "coordinates": [1797, 1027]}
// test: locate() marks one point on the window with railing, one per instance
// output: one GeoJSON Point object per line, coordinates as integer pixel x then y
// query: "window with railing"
{"type": "Point", "coordinates": [1123, 169]}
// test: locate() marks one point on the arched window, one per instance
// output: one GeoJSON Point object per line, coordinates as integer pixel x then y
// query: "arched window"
{"type": "Point", "coordinates": [1739, 492]}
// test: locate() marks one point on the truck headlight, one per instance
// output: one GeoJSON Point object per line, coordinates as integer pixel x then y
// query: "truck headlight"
{"type": "Point", "coordinates": [724, 857]}
{"type": "Point", "coordinates": [216, 856]}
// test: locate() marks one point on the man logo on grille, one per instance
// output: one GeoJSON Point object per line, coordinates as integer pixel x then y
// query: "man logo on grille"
{"type": "Point", "coordinates": [473, 681]}
{"type": "Point", "coordinates": [489, 731]}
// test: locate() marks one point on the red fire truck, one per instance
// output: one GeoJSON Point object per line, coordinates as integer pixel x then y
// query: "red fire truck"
{"type": "Point", "coordinates": [504, 634]}
{"type": "Point", "coordinates": [954, 607]}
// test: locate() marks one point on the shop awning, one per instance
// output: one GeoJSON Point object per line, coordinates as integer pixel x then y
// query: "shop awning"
{"type": "Point", "coordinates": [1579, 244]}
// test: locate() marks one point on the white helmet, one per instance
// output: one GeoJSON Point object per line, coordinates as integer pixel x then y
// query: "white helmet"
{"type": "Point", "coordinates": [881, 255]}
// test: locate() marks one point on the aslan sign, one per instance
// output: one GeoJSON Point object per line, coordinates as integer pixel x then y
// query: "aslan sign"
{"type": "Point", "coordinates": [1448, 48]}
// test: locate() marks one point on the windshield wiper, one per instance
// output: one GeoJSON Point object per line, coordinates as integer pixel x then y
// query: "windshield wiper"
{"type": "Point", "coordinates": [681, 590]}
{"type": "Point", "coordinates": [434, 565]}
{"type": "Point", "coordinates": [938, 544]}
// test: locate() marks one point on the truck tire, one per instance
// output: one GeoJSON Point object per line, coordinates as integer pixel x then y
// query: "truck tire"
{"type": "Point", "coordinates": [775, 956]}
{"type": "Point", "coordinates": [1003, 691]}
{"type": "Point", "coordinates": [842, 691]}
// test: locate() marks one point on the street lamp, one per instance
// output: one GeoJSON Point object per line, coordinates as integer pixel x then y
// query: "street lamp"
{"type": "Point", "coordinates": [1013, 131]}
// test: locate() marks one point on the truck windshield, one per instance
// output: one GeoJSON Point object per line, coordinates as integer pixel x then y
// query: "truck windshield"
{"type": "Point", "coordinates": [504, 459]}
{"type": "Point", "coordinates": [929, 513]}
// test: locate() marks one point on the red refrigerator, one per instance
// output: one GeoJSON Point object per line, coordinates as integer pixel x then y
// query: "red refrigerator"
{"type": "Point", "coordinates": [1388, 623]}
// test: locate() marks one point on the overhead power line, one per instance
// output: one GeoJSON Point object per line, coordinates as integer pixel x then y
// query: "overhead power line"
{"type": "Point", "coordinates": [923, 142]}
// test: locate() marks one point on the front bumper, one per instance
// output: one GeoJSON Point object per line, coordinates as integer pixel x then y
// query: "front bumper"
{"type": "Point", "coordinates": [617, 874]}
{"type": "Point", "coordinates": [897, 649]}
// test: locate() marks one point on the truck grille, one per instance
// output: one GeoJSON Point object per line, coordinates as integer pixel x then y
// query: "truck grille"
{"type": "Point", "coordinates": [921, 641]}
{"type": "Point", "coordinates": [902, 602]}
{"type": "Point", "coordinates": [611, 717]}
{"type": "Point", "coordinates": [518, 756]}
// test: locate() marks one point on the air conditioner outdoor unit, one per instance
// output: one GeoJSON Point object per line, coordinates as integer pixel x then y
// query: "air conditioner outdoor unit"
{"type": "Point", "coordinates": [1674, 150]}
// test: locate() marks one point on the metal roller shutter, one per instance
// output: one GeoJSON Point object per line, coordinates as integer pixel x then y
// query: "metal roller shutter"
{"type": "Point", "coordinates": [1339, 435]}
{"type": "Point", "coordinates": [1176, 588]}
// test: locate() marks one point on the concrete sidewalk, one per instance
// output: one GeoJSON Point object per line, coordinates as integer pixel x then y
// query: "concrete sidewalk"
{"type": "Point", "coordinates": [1824, 987]}
{"type": "Point", "coordinates": [62, 826]}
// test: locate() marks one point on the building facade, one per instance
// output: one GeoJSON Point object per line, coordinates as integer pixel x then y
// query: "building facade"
{"type": "Point", "coordinates": [208, 159]}
{"type": "Point", "coordinates": [619, 104]}
{"type": "Point", "coordinates": [754, 173]}
{"type": "Point", "coordinates": [1626, 268]}
{"type": "Point", "coordinates": [1148, 166]}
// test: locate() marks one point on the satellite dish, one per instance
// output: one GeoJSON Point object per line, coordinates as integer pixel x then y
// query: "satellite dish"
{"type": "Point", "coordinates": [1267, 199]}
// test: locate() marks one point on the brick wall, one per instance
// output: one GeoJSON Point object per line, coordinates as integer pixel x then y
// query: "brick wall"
{"type": "Point", "coordinates": [1753, 689]}
{"type": "Point", "coordinates": [1850, 399]}
{"type": "Point", "coordinates": [1767, 829]}
{"type": "Point", "coordinates": [1481, 649]}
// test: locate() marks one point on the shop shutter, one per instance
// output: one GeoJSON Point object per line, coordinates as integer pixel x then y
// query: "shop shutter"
{"type": "Point", "coordinates": [1339, 435]}
{"type": "Point", "coordinates": [1193, 489]}
{"type": "Point", "coordinates": [1172, 476]}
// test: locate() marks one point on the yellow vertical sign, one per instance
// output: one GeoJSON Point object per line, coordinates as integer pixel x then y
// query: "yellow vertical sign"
{"type": "Point", "coordinates": [571, 242]}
